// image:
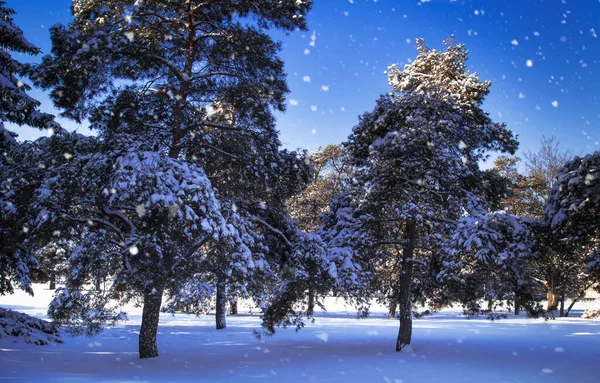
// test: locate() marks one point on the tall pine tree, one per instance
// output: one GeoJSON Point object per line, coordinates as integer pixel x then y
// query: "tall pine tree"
{"type": "Point", "coordinates": [416, 156]}
{"type": "Point", "coordinates": [170, 87]}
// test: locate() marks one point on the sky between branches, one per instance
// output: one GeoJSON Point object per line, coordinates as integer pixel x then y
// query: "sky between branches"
{"type": "Point", "coordinates": [542, 56]}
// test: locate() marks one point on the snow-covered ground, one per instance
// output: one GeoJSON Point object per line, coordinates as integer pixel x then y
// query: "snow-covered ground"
{"type": "Point", "coordinates": [336, 348]}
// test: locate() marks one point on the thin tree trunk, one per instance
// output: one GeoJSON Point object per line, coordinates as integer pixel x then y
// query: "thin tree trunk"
{"type": "Point", "coordinates": [52, 285]}
{"type": "Point", "coordinates": [404, 286]}
{"type": "Point", "coordinates": [311, 302]}
{"type": "Point", "coordinates": [517, 301]}
{"type": "Point", "coordinates": [233, 306]}
{"type": "Point", "coordinates": [571, 306]}
{"type": "Point", "coordinates": [97, 284]}
{"type": "Point", "coordinates": [221, 308]}
{"type": "Point", "coordinates": [490, 304]}
{"type": "Point", "coordinates": [392, 307]}
{"type": "Point", "coordinates": [150, 315]}
{"type": "Point", "coordinates": [575, 299]}
{"type": "Point", "coordinates": [562, 303]}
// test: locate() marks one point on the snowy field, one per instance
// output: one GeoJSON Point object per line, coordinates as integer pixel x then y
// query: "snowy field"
{"type": "Point", "coordinates": [336, 348]}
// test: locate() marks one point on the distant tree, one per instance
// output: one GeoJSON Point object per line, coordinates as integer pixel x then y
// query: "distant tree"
{"type": "Point", "coordinates": [154, 78]}
{"type": "Point", "coordinates": [417, 173]}
{"type": "Point", "coordinates": [541, 169]}
{"type": "Point", "coordinates": [554, 266]}
{"type": "Point", "coordinates": [499, 247]}
{"type": "Point", "coordinates": [331, 171]}
{"type": "Point", "coordinates": [572, 214]}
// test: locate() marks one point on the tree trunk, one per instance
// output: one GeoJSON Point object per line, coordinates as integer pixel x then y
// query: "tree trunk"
{"type": "Point", "coordinates": [311, 302]}
{"type": "Point", "coordinates": [233, 306]}
{"type": "Point", "coordinates": [562, 303]}
{"type": "Point", "coordinates": [404, 286]}
{"type": "Point", "coordinates": [552, 300]}
{"type": "Point", "coordinates": [575, 299]}
{"type": "Point", "coordinates": [392, 307]}
{"type": "Point", "coordinates": [221, 308]}
{"type": "Point", "coordinates": [97, 284]}
{"type": "Point", "coordinates": [490, 304]}
{"type": "Point", "coordinates": [150, 315]}
{"type": "Point", "coordinates": [517, 301]}
{"type": "Point", "coordinates": [52, 285]}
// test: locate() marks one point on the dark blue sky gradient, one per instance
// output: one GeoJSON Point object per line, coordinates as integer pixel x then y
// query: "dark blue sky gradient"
{"type": "Point", "coordinates": [355, 41]}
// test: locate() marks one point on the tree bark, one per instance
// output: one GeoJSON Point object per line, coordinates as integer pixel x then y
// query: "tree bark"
{"type": "Point", "coordinates": [150, 315]}
{"type": "Point", "coordinates": [310, 310]}
{"type": "Point", "coordinates": [562, 303]}
{"type": "Point", "coordinates": [392, 307]}
{"type": "Point", "coordinates": [575, 299]}
{"type": "Point", "coordinates": [221, 309]}
{"type": "Point", "coordinates": [404, 287]}
{"type": "Point", "coordinates": [52, 285]}
{"type": "Point", "coordinates": [233, 306]}
{"type": "Point", "coordinates": [552, 300]}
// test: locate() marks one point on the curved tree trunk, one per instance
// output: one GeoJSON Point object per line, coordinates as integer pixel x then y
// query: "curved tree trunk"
{"type": "Point", "coordinates": [575, 299]}
{"type": "Point", "coordinates": [221, 309]}
{"type": "Point", "coordinates": [150, 315]}
{"type": "Point", "coordinates": [404, 286]}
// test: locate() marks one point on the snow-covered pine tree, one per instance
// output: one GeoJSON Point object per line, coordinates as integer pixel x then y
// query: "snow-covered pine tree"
{"type": "Point", "coordinates": [497, 248]}
{"type": "Point", "coordinates": [20, 170]}
{"type": "Point", "coordinates": [149, 76]}
{"type": "Point", "coordinates": [417, 158]}
{"type": "Point", "coordinates": [571, 214]}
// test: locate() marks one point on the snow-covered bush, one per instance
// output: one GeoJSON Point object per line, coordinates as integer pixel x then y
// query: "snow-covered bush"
{"type": "Point", "coordinates": [33, 330]}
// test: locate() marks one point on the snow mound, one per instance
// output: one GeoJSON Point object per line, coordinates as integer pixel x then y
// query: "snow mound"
{"type": "Point", "coordinates": [33, 330]}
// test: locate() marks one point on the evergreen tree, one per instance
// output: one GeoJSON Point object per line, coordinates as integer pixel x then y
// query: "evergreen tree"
{"type": "Point", "coordinates": [332, 170]}
{"type": "Point", "coordinates": [169, 87]}
{"type": "Point", "coordinates": [417, 158]}
{"type": "Point", "coordinates": [571, 214]}
{"type": "Point", "coordinates": [20, 166]}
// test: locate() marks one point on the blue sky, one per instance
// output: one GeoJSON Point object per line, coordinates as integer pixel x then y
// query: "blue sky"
{"type": "Point", "coordinates": [542, 57]}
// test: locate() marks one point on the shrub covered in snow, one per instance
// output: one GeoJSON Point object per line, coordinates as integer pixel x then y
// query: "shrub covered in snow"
{"type": "Point", "coordinates": [33, 330]}
{"type": "Point", "coordinates": [591, 314]}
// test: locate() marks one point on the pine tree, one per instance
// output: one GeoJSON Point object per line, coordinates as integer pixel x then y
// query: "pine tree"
{"type": "Point", "coordinates": [417, 158]}
{"type": "Point", "coordinates": [170, 87]}
{"type": "Point", "coordinates": [571, 214]}
{"type": "Point", "coordinates": [20, 169]}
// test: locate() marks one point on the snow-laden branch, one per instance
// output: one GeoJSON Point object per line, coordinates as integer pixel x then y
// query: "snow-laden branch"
{"type": "Point", "coordinates": [124, 218]}
{"type": "Point", "coordinates": [104, 222]}
{"type": "Point", "coordinates": [275, 231]}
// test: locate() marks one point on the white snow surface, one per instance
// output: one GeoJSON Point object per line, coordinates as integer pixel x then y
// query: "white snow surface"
{"type": "Point", "coordinates": [336, 348]}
